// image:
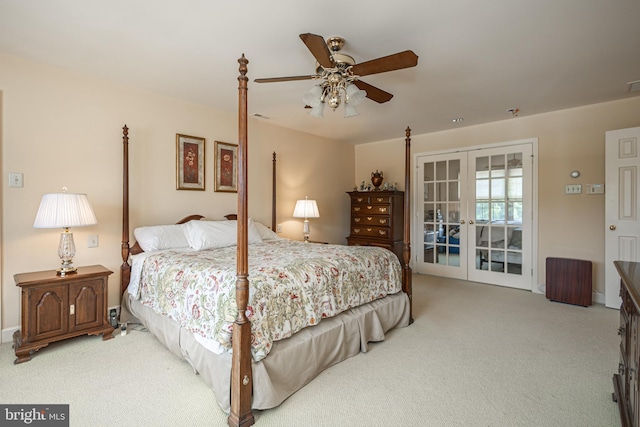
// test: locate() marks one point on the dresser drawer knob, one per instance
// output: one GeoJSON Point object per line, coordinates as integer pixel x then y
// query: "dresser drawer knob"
{"type": "Point", "coordinates": [382, 209]}
{"type": "Point", "coordinates": [383, 221]}
{"type": "Point", "coordinates": [380, 199]}
{"type": "Point", "coordinates": [369, 207]}
{"type": "Point", "coordinates": [356, 208]}
{"type": "Point", "coordinates": [356, 230]}
{"type": "Point", "coordinates": [369, 229]}
{"type": "Point", "coordinates": [356, 219]}
{"type": "Point", "coordinates": [359, 199]}
{"type": "Point", "coordinates": [369, 218]}
{"type": "Point", "coordinates": [382, 232]}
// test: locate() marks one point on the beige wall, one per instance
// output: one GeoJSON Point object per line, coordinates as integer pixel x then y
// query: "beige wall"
{"type": "Point", "coordinates": [63, 129]}
{"type": "Point", "coordinates": [573, 139]}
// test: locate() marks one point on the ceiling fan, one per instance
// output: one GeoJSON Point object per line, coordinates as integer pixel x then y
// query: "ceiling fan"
{"type": "Point", "coordinates": [339, 75]}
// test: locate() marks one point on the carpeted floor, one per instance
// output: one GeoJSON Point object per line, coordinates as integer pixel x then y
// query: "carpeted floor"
{"type": "Point", "coordinates": [477, 355]}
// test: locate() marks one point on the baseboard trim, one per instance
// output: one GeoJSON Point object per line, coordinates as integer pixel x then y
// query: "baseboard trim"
{"type": "Point", "coordinates": [7, 334]}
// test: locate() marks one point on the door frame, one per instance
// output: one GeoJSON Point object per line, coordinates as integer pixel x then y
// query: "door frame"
{"type": "Point", "coordinates": [536, 286]}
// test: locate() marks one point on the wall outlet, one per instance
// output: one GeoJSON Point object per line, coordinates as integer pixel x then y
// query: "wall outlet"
{"type": "Point", "coordinates": [279, 228]}
{"type": "Point", "coordinates": [573, 189]}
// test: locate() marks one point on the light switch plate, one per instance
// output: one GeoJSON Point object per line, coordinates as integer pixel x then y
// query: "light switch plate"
{"type": "Point", "coordinates": [16, 180]}
{"type": "Point", "coordinates": [595, 189]}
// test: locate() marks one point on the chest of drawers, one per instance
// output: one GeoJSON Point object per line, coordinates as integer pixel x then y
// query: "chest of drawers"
{"type": "Point", "coordinates": [377, 219]}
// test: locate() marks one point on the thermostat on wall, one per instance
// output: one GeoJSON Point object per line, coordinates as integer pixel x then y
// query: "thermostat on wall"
{"type": "Point", "coordinates": [595, 189]}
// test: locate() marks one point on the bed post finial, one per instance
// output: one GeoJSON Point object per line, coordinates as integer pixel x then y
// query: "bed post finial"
{"type": "Point", "coordinates": [406, 246]}
{"type": "Point", "coordinates": [241, 374]}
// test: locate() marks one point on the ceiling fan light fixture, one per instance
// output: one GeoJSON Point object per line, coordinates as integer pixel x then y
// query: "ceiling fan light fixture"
{"type": "Point", "coordinates": [354, 95]}
{"type": "Point", "coordinates": [337, 73]}
{"type": "Point", "coordinates": [317, 111]}
{"type": "Point", "coordinates": [350, 110]}
{"type": "Point", "coordinates": [313, 97]}
{"type": "Point", "coordinates": [334, 99]}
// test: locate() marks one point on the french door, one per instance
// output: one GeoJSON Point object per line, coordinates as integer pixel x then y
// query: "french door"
{"type": "Point", "coordinates": [474, 213]}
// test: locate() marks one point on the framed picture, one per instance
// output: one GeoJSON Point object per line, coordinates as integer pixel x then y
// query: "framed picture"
{"type": "Point", "coordinates": [189, 162]}
{"type": "Point", "coordinates": [226, 167]}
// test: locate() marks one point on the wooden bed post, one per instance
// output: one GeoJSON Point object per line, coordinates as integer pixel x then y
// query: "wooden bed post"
{"type": "Point", "coordinates": [273, 195]}
{"type": "Point", "coordinates": [406, 246]}
{"type": "Point", "coordinates": [241, 375]}
{"type": "Point", "coordinates": [125, 270]}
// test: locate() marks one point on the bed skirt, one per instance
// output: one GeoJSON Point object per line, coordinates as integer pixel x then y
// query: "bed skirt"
{"type": "Point", "coordinates": [293, 362]}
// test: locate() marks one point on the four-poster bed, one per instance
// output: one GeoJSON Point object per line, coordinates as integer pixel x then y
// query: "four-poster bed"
{"type": "Point", "coordinates": [242, 381]}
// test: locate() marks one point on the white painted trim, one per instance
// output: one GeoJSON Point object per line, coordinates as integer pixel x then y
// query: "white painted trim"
{"type": "Point", "coordinates": [7, 334]}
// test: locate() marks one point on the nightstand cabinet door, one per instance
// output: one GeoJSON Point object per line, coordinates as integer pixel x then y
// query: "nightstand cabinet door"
{"type": "Point", "coordinates": [86, 300]}
{"type": "Point", "coordinates": [47, 312]}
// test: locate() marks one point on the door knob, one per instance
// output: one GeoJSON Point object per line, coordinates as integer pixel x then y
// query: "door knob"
{"type": "Point", "coordinates": [471, 221]}
{"type": "Point", "coordinates": [612, 227]}
{"type": "Point", "coordinates": [462, 221]}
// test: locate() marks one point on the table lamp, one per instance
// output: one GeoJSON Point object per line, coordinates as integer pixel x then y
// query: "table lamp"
{"type": "Point", "coordinates": [306, 209]}
{"type": "Point", "coordinates": [65, 210]}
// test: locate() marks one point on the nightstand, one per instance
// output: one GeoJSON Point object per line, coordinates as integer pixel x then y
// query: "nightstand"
{"type": "Point", "coordinates": [58, 307]}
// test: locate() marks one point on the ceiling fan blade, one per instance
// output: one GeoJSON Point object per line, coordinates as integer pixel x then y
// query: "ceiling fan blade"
{"type": "Point", "coordinates": [396, 61]}
{"type": "Point", "coordinates": [373, 93]}
{"type": "Point", "coordinates": [318, 48]}
{"type": "Point", "coordinates": [284, 79]}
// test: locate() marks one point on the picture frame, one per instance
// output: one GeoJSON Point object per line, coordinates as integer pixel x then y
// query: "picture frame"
{"type": "Point", "coordinates": [226, 167]}
{"type": "Point", "coordinates": [190, 161]}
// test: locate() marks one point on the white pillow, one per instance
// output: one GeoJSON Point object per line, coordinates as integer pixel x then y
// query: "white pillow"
{"type": "Point", "coordinates": [217, 234]}
{"type": "Point", "coordinates": [158, 237]}
{"type": "Point", "coordinates": [265, 232]}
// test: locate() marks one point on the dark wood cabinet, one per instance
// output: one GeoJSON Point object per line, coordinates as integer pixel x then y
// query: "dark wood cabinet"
{"type": "Point", "coordinates": [569, 281]}
{"type": "Point", "coordinates": [59, 307]}
{"type": "Point", "coordinates": [625, 381]}
{"type": "Point", "coordinates": [377, 219]}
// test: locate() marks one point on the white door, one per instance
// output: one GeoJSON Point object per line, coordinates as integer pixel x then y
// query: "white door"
{"type": "Point", "coordinates": [441, 201]}
{"type": "Point", "coordinates": [622, 206]}
{"type": "Point", "coordinates": [500, 216]}
{"type": "Point", "coordinates": [474, 215]}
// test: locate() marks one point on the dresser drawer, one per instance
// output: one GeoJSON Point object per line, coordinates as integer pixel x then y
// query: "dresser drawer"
{"type": "Point", "coordinates": [371, 231]}
{"type": "Point", "coordinates": [370, 209]}
{"type": "Point", "coordinates": [379, 220]}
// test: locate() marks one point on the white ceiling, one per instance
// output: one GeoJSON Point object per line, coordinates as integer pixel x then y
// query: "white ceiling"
{"type": "Point", "coordinates": [476, 58]}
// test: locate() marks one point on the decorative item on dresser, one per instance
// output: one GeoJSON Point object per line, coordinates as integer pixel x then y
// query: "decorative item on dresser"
{"type": "Point", "coordinates": [625, 382]}
{"type": "Point", "coordinates": [377, 219]}
{"type": "Point", "coordinates": [56, 307]}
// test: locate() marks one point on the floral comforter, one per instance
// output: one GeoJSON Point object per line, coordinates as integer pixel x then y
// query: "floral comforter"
{"type": "Point", "coordinates": [292, 285]}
